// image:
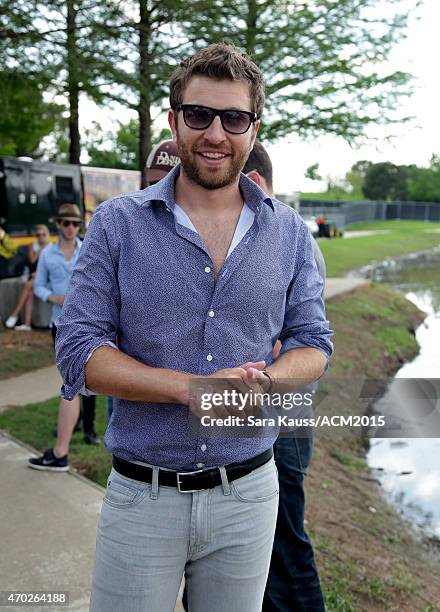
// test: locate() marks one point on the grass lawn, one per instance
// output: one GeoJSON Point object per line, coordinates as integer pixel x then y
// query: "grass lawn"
{"type": "Point", "coordinates": [22, 352]}
{"type": "Point", "coordinates": [36, 423]}
{"type": "Point", "coordinates": [343, 255]}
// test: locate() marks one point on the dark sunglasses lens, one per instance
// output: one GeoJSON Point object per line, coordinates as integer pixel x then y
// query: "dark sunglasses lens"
{"type": "Point", "coordinates": [197, 117]}
{"type": "Point", "coordinates": [236, 122]}
{"type": "Point", "coordinates": [67, 223]}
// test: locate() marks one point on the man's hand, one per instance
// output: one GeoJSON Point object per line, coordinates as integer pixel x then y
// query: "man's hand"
{"type": "Point", "coordinates": [255, 379]}
{"type": "Point", "coordinates": [56, 299]}
{"type": "Point", "coordinates": [242, 379]}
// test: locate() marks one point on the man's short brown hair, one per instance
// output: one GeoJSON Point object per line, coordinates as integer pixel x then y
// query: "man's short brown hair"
{"type": "Point", "coordinates": [222, 62]}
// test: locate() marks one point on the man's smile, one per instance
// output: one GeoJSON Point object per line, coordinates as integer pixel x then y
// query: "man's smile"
{"type": "Point", "coordinates": [213, 158]}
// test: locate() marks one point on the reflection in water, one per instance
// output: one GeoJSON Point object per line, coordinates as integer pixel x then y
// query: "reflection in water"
{"type": "Point", "coordinates": [409, 469]}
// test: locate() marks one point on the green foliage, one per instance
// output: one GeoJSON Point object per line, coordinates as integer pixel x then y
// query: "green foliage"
{"type": "Point", "coordinates": [424, 183]}
{"type": "Point", "coordinates": [355, 177]}
{"type": "Point", "coordinates": [386, 181]}
{"type": "Point", "coordinates": [25, 117]}
{"type": "Point", "coordinates": [349, 460]}
{"type": "Point", "coordinates": [312, 172]}
{"type": "Point", "coordinates": [115, 150]}
{"type": "Point", "coordinates": [323, 61]}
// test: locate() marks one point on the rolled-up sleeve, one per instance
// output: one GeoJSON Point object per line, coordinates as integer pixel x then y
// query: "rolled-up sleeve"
{"type": "Point", "coordinates": [90, 315]}
{"type": "Point", "coordinates": [41, 283]}
{"type": "Point", "coordinates": [305, 324]}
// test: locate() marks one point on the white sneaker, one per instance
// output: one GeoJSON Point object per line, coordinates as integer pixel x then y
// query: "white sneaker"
{"type": "Point", "coordinates": [11, 321]}
{"type": "Point", "coordinates": [23, 328]}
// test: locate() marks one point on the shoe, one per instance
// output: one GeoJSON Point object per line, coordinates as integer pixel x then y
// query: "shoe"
{"type": "Point", "coordinates": [10, 322]}
{"type": "Point", "coordinates": [23, 328]}
{"type": "Point", "coordinates": [49, 462]}
{"type": "Point", "coordinates": [92, 438]}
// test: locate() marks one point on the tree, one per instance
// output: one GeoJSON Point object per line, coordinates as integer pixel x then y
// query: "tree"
{"type": "Point", "coordinates": [424, 183]}
{"type": "Point", "coordinates": [355, 177]}
{"type": "Point", "coordinates": [25, 118]}
{"type": "Point", "coordinates": [150, 32]}
{"type": "Point", "coordinates": [323, 60]}
{"type": "Point", "coordinates": [386, 181]}
{"type": "Point", "coordinates": [66, 45]}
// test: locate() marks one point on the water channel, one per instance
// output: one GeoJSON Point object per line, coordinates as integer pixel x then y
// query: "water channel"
{"type": "Point", "coordinates": [409, 468]}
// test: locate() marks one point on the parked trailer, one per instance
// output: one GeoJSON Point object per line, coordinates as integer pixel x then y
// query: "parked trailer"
{"type": "Point", "coordinates": [31, 191]}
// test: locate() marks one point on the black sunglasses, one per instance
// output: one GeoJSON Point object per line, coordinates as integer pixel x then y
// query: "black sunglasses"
{"type": "Point", "coordinates": [66, 223]}
{"type": "Point", "coordinates": [233, 121]}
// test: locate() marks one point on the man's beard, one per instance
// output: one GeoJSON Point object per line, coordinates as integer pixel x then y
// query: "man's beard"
{"type": "Point", "coordinates": [206, 179]}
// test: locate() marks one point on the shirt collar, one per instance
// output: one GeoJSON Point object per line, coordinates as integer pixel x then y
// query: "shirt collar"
{"type": "Point", "coordinates": [78, 244]}
{"type": "Point", "coordinates": [163, 191]}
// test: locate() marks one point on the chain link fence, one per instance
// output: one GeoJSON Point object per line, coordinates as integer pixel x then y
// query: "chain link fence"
{"type": "Point", "coordinates": [346, 213]}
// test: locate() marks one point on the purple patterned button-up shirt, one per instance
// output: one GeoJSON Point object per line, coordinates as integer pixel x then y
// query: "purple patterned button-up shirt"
{"type": "Point", "coordinates": [145, 278]}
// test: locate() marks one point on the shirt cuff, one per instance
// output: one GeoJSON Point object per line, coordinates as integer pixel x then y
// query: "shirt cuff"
{"type": "Point", "coordinates": [42, 293]}
{"type": "Point", "coordinates": [290, 344]}
{"type": "Point", "coordinates": [84, 390]}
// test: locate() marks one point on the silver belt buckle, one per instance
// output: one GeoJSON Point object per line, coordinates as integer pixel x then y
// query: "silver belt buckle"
{"type": "Point", "coordinates": [187, 474]}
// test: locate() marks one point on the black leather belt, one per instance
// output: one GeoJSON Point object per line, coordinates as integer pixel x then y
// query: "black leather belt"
{"type": "Point", "coordinates": [188, 482]}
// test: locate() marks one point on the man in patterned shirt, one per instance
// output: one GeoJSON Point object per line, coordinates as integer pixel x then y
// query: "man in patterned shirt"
{"type": "Point", "coordinates": [198, 276]}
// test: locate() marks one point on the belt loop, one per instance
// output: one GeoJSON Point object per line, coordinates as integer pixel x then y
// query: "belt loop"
{"type": "Point", "coordinates": [225, 482]}
{"type": "Point", "coordinates": [155, 483]}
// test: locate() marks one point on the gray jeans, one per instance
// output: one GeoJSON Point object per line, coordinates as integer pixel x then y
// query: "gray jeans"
{"type": "Point", "coordinates": [148, 536]}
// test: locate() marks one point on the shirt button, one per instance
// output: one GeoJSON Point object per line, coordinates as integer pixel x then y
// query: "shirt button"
{"type": "Point", "coordinates": [211, 313]}
{"type": "Point", "coordinates": [203, 447]}
{"type": "Point", "coordinates": [209, 357]}
{"type": "Point", "coordinates": [207, 269]}
{"type": "Point", "coordinates": [200, 465]}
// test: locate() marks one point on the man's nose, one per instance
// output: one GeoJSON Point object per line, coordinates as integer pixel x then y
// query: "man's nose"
{"type": "Point", "coordinates": [215, 132]}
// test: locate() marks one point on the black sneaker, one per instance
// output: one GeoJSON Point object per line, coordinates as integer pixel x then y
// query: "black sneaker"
{"type": "Point", "coordinates": [92, 438]}
{"type": "Point", "coordinates": [49, 462]}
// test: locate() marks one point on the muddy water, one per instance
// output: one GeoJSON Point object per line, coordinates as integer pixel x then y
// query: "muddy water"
{"type": "Point", "coordinates": [409, 469]}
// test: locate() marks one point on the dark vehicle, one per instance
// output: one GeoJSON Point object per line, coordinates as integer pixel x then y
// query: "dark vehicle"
{"type": "Point", "coordinates": [328, 228]}
{"type": "Point", "coordinates": [31, 191]}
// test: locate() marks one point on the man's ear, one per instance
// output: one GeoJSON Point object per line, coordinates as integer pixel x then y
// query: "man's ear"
{"type": "Point", "coordinates": [255, 176]}
{"type": "Point", "coordinates": [254, 137]}
{"type": "Point", "coordinates": [172, 124]}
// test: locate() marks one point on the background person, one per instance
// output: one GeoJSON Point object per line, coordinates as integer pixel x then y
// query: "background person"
{"type": "Point", "coordinates": [54, 270]}
{"type": "Point", "coordinates": [293, 583]}
{"type": "Point", "coordinates": [7, 247]}
{"type": "Point", "coordinates": [26, 297]}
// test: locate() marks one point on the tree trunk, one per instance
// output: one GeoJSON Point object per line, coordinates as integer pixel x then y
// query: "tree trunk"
{"type": "Point", "coordinates": [73, 84]}
{"type": "Point", "coordinates": [144, 88]}
{"type": "Point", "coordinates": [251, 26]}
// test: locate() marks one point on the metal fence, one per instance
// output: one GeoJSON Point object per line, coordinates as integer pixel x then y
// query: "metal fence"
{"type": "Point", "coordinates": [346, 213]}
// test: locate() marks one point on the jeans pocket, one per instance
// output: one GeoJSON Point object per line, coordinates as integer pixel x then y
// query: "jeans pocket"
{"type": "Point", "coordinates": [259, 486]}
{"type": "Point", "coordinates": [122, 492]}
